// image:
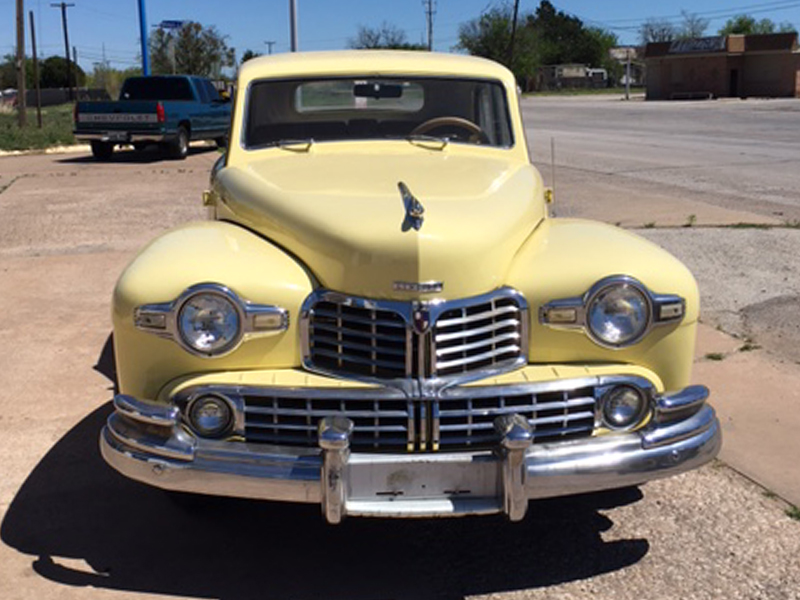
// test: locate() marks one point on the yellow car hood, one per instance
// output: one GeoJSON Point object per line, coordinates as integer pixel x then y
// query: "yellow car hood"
{"type": "Point", "coordinates": [342, 214]}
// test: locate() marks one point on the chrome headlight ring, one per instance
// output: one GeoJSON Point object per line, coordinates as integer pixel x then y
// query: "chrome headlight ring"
{"type": "Point", "coordinates": [165, 320]}
{"type": "Point", "coordinates": [629, 296]}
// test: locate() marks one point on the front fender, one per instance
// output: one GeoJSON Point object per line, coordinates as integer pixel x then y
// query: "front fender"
{"type": "Point", "coordinates": [207, 252]}
{"type": "Point", "coordinates": [563, 258]}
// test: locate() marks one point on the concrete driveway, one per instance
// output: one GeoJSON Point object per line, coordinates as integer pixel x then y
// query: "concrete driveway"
{"type": "Point", "coordinates": [72, 528]}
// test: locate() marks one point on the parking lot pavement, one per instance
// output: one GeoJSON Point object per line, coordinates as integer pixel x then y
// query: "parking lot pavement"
{"type": "Point", "coordinates": [72, 528]}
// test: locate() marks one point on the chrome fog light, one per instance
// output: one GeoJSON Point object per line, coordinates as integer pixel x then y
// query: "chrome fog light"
{"type": "Point", "coordinates": [210, 416]}
{"type": "Point", "coordinates": [209, 323]}
{"type": "Point", "coordinates": [623, 407]}
{"type": "Point", "coordinates": [618, 314]}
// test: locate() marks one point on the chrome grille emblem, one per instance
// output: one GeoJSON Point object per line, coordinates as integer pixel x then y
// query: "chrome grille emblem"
{"type": "Point", "coordinates": [414, 209]}
{"type": "Point", "coordinates": [422, 318]}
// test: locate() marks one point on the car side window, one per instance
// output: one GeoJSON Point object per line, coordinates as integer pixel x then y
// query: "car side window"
{"type": "Point", "coordinates": [213, 94]}
{"type": "Point", "coordinates": [199, 85]}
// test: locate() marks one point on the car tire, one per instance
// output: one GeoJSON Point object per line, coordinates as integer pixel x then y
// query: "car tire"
{"type": "Point", "coordinates": [139, 146]}
{"type": "Point", "coordinates": [102, 150]}
{"type": "Point", "coordinates": [222, 142]}
{"type": "Point", "coordinates": [179, 148]}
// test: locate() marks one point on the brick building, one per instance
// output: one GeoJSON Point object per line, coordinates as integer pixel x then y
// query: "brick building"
{"type": "Point", "coordinates": [724, 66]}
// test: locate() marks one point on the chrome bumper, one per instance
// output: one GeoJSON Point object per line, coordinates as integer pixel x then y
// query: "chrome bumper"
{"type": "Point", "coordinates": [148, 443]}
{"type": "Point", "coordinates": [122, 137]}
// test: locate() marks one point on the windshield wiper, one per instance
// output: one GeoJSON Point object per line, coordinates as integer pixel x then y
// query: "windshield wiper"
{"type": "Point", "coordinates": [295, 145]}
{"type": "Point", "coordinates": [426, 141]}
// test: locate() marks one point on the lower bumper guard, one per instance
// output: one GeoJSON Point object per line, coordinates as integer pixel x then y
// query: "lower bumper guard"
{"type": "Point", "coordinates": [147, 443]}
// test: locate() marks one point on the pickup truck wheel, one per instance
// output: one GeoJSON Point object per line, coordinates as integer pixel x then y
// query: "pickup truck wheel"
{"type": "Point", "coordinates": [222, 142]}
{"type": "Point", "coordinates": [102, 150]}
{"type": "Point", "coordinates": [179, 149]}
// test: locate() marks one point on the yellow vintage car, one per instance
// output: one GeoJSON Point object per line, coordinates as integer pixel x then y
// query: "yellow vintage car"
{"type": "Point", "coordinates": [381, 317]}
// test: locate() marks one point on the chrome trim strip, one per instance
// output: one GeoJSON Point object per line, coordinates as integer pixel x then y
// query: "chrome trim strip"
{"type": "Point", "coordinates": [153, 414]}
{"type": "Point", "coordinates": [162, 319]}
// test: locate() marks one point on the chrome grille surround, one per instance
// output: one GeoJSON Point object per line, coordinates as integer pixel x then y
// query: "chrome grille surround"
{"type": "Point", "coordinates": [439, 340]}
{"type": "Point", "coordinates": [387, 419]}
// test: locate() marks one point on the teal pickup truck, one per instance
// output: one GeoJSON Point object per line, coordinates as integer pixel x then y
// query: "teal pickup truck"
{"type": "Point", "coordinates": [166, 110]}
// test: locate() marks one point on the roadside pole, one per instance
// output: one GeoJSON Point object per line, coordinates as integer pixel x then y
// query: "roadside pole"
{"type": "Point", "coordinates": [21, 62]}
{"type": "Point", "coordinates": [64, 6]}
{"type": "Point", "coordinates": [36, 73]}
{"type": "Point", "coordinates": [628, 74]}
{"type": "Point", "coordinates": [143, 37]}
{"type": "Point", "coordinates": [293, 23]}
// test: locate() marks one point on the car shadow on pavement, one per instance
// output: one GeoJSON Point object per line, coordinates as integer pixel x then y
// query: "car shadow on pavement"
{"type": "Point", "coordinates": [89, 526]}
{"type": "Point", "coordinates": [130, 156]}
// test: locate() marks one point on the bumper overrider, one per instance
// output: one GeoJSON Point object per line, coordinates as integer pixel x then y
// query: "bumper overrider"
{"type": "Point", "coordinates": [152, 443]}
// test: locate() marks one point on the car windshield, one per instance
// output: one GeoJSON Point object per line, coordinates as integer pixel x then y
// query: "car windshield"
{"type": "Point", "coordinates": [469, 111]}
{"type": "Point", "coordinates": [156, 88]}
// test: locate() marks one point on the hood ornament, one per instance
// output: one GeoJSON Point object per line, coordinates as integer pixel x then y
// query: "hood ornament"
{"type": "Point", "coordinates": [414, 209]}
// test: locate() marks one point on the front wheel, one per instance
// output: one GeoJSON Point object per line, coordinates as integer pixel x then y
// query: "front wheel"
{"type": "Point", "coordinates": [222, 142]}
{"type": "Point", "coordinates": [102, 150]}
{"type": "Point", "coordinates": [179, 148]}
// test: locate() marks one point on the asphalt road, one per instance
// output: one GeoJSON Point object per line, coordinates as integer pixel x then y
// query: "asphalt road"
{"type": "Point", "coordinates": [72, 528]}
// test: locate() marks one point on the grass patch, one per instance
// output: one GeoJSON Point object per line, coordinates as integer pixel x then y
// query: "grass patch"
{"type": "Point", "coordinates": [715, 356]}
{"type": "Point", "coordinates": [56, 129]}
{"type": "Point", "coordinates": [690, 221]}
{"type": "Point", "coordinates": [793, 513]}
{"type": "Point", "coordinates": [750, 226]}
{"type": "Point", "coordinates": [749, 347]}
{"type": "Point", "coordinates": [793, 224]}
{"type": "Point", "coordinates": [769, 494]}
{"type": "Point", "coordinates": [649, 225]}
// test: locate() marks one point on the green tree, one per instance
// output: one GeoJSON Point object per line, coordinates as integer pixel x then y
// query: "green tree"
{"type": "Point", "coordinates": [190, 50]}
{"type": "Point", "coordinates": [748, 25]}
{"type": "Point", "coordinates": [489, 36]}
{"type": "Point", "coordinates": [248, 54]}
{"type": "Point", "coordinates": [387, 36]}
{"type": "Point", "coordinates": [105, 77]}
{"type": "Point", "coordinates": [53, 73]}
{"type": "Point", "coordinates": [8, 72]}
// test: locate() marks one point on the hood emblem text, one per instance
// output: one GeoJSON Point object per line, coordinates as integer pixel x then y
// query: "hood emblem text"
{"type": "Point", "coordinates": [414, 209]}
{"type": "Point", "coordinates": [423, 287]}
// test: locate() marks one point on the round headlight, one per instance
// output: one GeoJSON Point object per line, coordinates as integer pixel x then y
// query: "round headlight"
{"type": "Point", "coordinates": [210, 416]}
{"type": "Point", "coordinates": [209, 323]}
{"type": "Point", "coordinates": [618, 314]}
{"type": "Point", "coordinates": [623, 407]}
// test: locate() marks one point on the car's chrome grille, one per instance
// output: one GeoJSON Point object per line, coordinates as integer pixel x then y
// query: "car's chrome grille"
{"type": "Point", "coordinates": [462, 420]}
{"type": "Point", "coordinates": [383, 424]}
{"type": "Point", "coordinates": [468, 422]}
{"type": "Point", "coordinates": [358, 341]}
{"type": "Point", "coordinates": [477, 336]}
{"type": "Point", "coordinates": [413, 340]}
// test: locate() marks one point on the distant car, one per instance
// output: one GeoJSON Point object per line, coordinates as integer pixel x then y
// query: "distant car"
{"type": "Point", "coordinates": [166, 110]}
{"type": "Point", "coordinates": [383, 318]}
{"type": "Point", "coordinates": [8, 97]}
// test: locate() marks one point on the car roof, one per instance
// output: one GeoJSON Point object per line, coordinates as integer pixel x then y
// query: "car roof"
{"type": "Point", "coordinates": [371, 62]}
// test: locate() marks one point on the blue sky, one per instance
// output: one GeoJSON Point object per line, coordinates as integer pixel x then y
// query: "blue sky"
{"type": "Point", "coordinates": [329, 24]}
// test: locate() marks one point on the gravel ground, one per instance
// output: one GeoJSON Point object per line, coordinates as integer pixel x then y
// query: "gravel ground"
{"type": "Point", "coordinates": [749, 280]}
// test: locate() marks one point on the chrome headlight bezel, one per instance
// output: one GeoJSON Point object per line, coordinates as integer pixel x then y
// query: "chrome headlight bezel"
{"type": "Point", "coordinates": [230, 300]}
{"type": "Point", "coordinates": [599, 292]}
{"type": "Point", "coordinates": [163, 319]}
{"type": "Point", "coordinates": [574, 313]}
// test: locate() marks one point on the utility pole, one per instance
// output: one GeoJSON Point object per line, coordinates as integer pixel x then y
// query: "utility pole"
{"type": "Point", "coordinates": [513, 34]}
{"type": "Point", "coordinates": [628, 74]}
{"type": "Point", "coordinates": [64, 6]}
{"type": "Point", "coordinates": [143, 38]}
{"type": "Point", "coordinates": [430, 10]}
{"type": "Point", "coordinates": [21, 62]}
{"type": "Point", "coordinates": [36, 73]}
{"type": "Point", "coordinates": [269, 44]}
{"type": "Point", "coordinates": [293, 23]}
